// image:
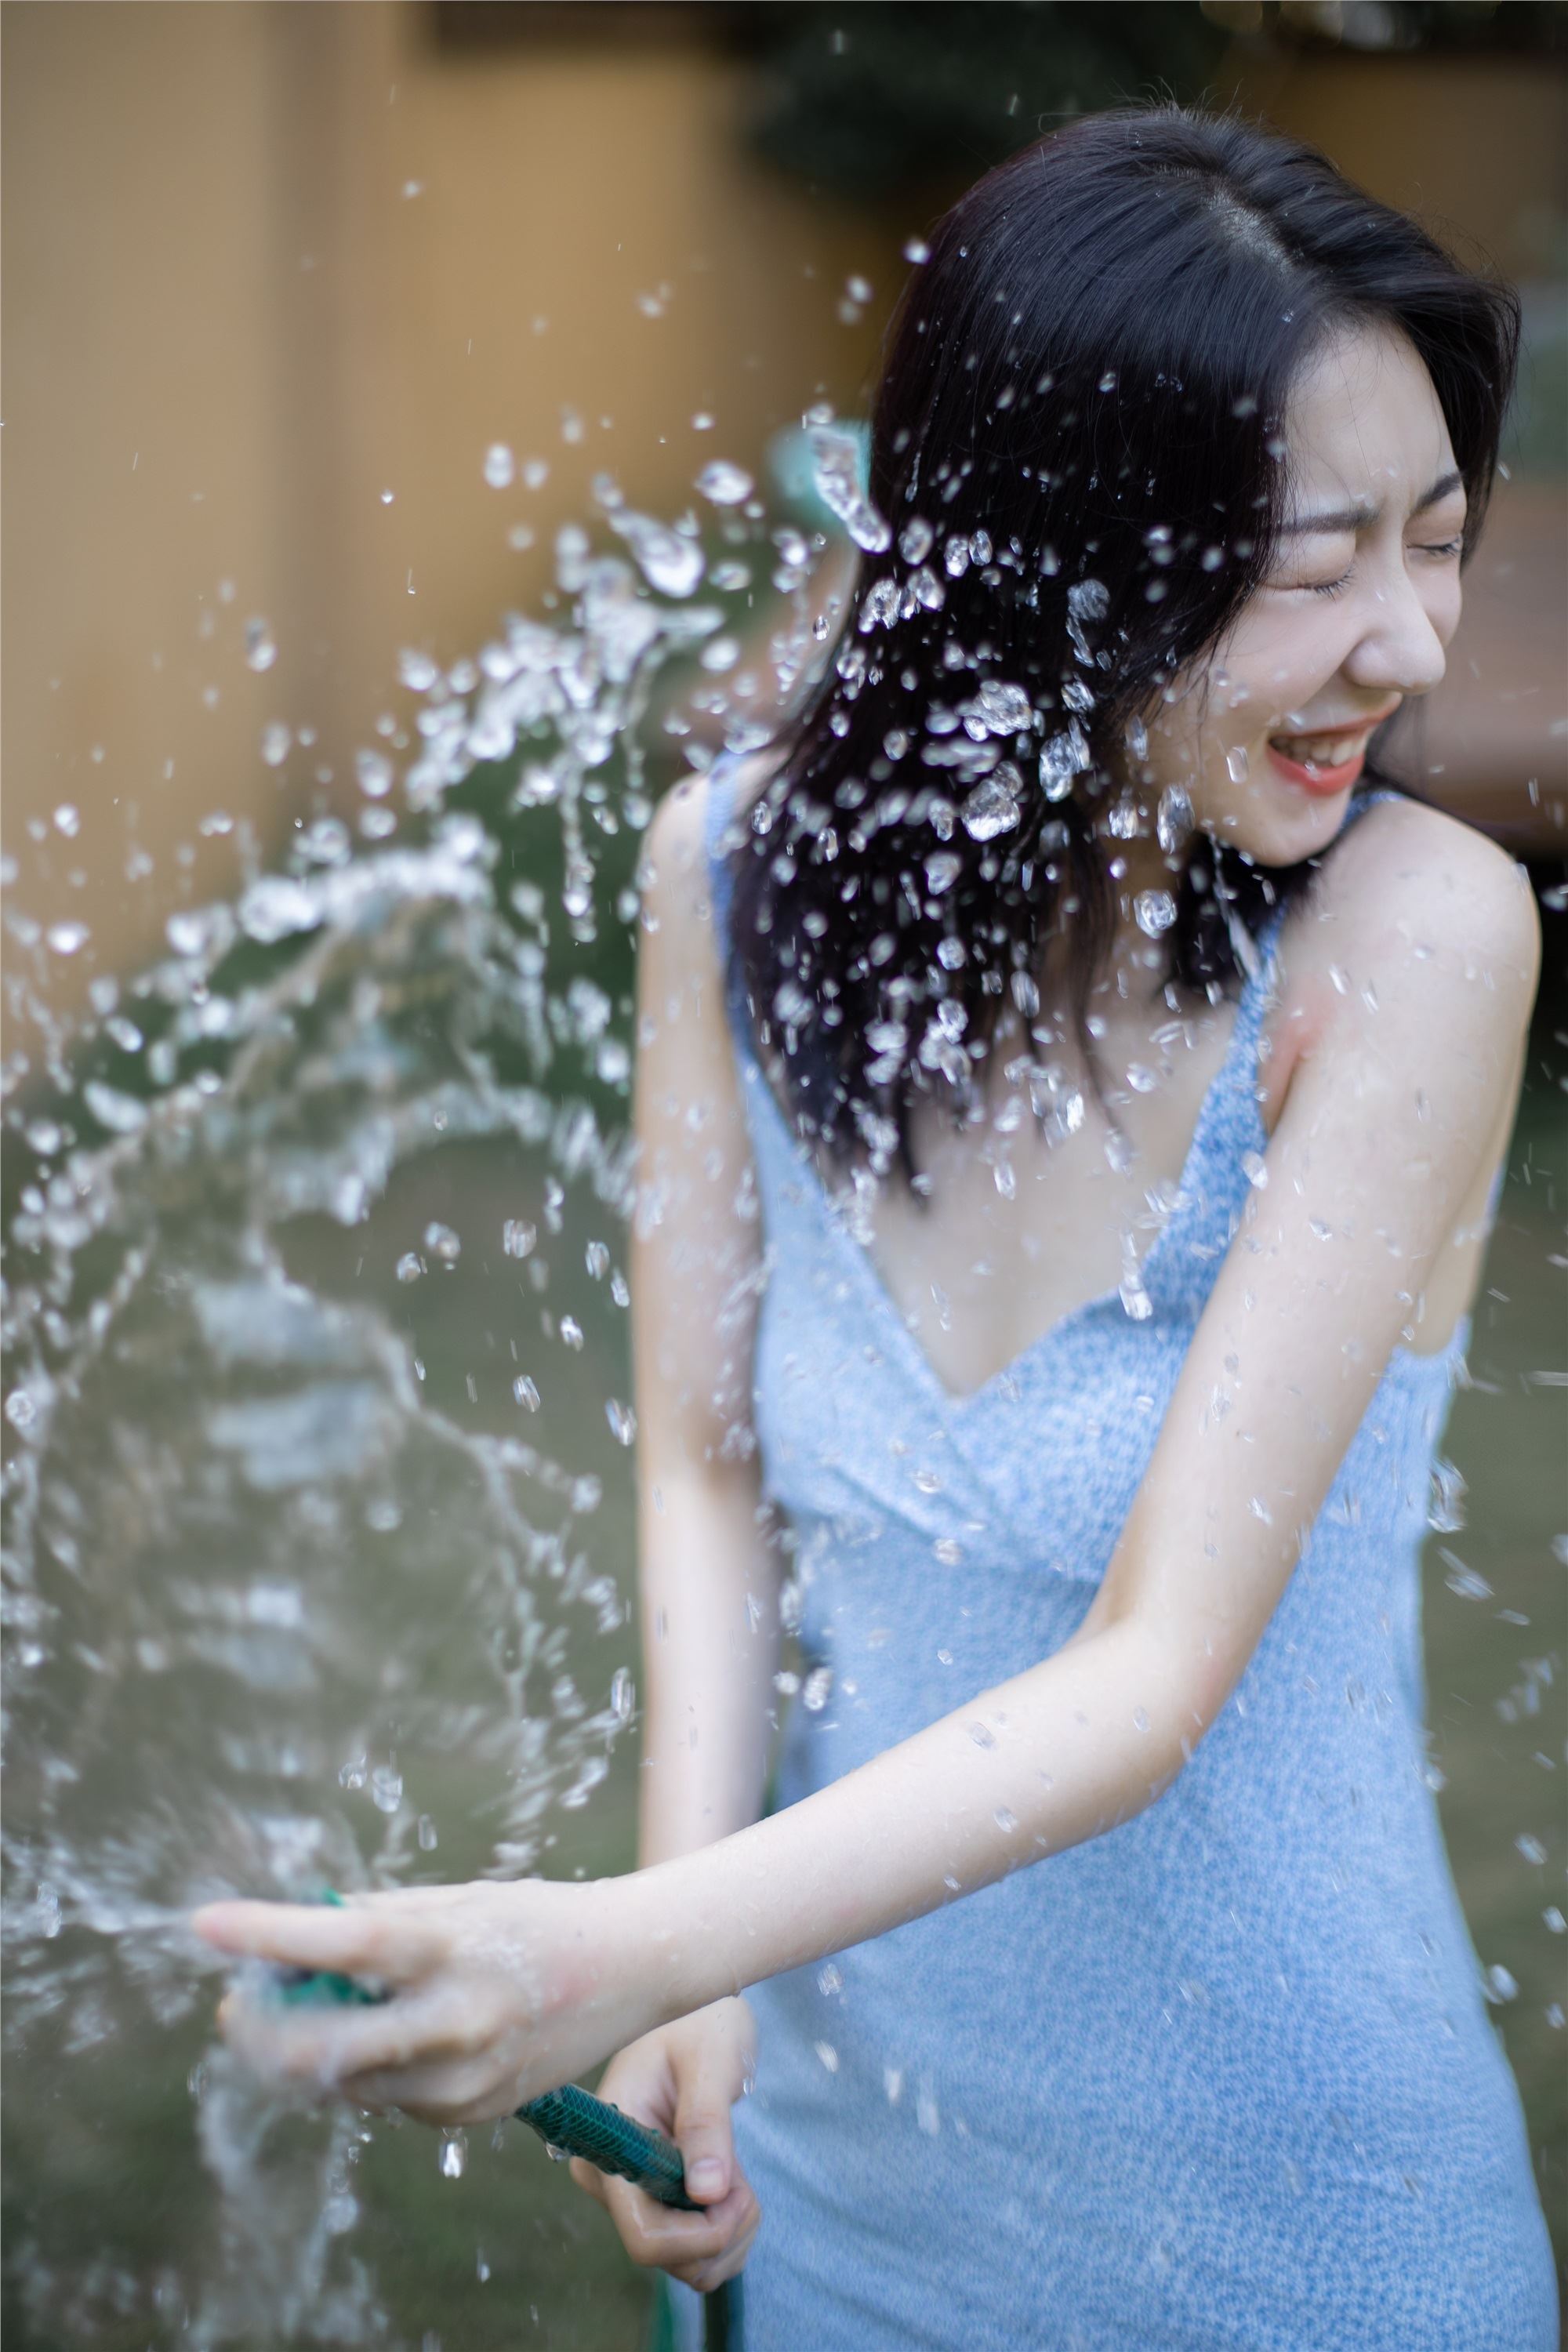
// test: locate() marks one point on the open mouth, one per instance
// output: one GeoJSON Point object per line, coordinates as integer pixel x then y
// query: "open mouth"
{"type": "Point", "coordinates": [1321, 752]}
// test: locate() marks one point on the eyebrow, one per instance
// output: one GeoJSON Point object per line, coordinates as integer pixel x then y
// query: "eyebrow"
{"type": "Point", "coordinates": [1358, 517]}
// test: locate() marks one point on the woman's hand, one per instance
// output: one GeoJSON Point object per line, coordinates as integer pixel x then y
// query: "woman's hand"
{"type": "Point", "coordinates": [499, 1992]}
{"type": "Point", "coordinates": [683, 2079]}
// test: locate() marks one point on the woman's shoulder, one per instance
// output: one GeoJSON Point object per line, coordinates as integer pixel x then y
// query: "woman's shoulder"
{"type": "Point", "coordinates": [1411, 908]}
{"type": "Point", "coordinates": [681, 830]}
{"type": "Point", "coordinates": [1405, 859]}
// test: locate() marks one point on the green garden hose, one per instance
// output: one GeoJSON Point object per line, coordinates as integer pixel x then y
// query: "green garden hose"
{"type": "Point", "coordinates": [573, 2122]}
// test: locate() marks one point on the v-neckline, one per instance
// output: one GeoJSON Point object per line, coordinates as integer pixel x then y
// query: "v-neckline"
{"type": "Point", "coordinates": [952, 1402]}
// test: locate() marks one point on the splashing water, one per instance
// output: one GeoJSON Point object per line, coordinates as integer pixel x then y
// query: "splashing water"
{"type": "Point", "coordinates": [313, 1303]}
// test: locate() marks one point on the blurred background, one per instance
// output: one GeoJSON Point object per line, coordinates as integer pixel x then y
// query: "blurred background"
{"type": "Point", "coordinates": [321, 322]}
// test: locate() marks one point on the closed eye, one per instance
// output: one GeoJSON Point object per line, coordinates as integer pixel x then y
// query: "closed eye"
{"type": "Point", "coordinates": [1445, 550]}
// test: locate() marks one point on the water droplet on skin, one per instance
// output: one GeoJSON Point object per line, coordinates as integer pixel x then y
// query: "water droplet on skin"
{"type": "Point", "coordinates": [1006, 1820]}
{"type": "Point", "coordinates": [1255, 1168]}
{"type": "Point", "coordinates": [1235, 765]}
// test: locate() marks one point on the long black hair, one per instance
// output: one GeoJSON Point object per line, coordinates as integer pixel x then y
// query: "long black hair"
{"type": "Point", "coordinates": [1075, 487]}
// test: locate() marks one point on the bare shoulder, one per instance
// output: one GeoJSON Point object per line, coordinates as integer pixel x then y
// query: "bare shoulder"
{"type": "Point", "coordinates": [1412, 876]}
{"type": "Point", "coordinates": [1415, 922]}
{"type": "Point", "coordinates": [675, 869]}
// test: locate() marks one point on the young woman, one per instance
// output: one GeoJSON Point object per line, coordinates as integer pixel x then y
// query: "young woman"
{"type": "Point", "coordinates": [1071, 1113]}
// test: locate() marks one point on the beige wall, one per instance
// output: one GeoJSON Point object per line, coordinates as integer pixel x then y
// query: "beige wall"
{"type": "Point", "coordinates": [228, 330]}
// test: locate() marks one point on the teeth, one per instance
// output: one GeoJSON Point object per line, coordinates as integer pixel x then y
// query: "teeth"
{"type": "Point", "coordinates": [1318, 751]}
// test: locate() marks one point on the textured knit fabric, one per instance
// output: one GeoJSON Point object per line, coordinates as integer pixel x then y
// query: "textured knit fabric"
{"type": "Point", "coordinates": [1223, 2076]}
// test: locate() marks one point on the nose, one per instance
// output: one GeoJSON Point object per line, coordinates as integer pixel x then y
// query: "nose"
{"type": "Point", "coordinates": [1401, 647]}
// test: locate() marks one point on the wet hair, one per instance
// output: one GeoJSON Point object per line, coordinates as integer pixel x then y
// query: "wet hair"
{"type": "Point", "coordinates": [1075, 470]}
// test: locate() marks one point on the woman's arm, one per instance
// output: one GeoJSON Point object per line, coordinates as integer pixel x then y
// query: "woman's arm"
{"type": "Point", "coordinates": [707, 1574]}
{"type": "Point", "coordinates": [1388, 1139]}
{"type": "Point", "coordinates": [1390, 1132]}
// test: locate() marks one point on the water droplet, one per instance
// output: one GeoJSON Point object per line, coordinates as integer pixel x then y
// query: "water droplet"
{"type": "Point", "coordinates": [917, 250]}
{"type": "Point", "coordinates": [1154, 911]}
{"type": "Point", "coordinates": [65, 939]}
{"type": "Point", "coordinates": [1446, 1503]}
{"type": "Point", "coordinates": [68, 821]}
{"type": "Point", "coordinates": [499, 466]}
{"type": "Point", "coordinates": [623, 1420]}
{"type": "Point", "coordinates": [386, 1788]}
{"type": "Point", "coordinates": [836, 465]}
{"type": "Point", "coordinates": [276, 738]}
{"type": "Point", "coordinates": [1255, 1168]}
{"type": "Point", "coordinates": [623, 1695]}
{"type": "Point", "coordinates": [454, 2157]}
{"type": "Point", "coordinates": [668, 561]}
{"type": "Point", "coordinates": [1498, 1984]}
{"type": "Point", "coordinates": [992, 808]}
{"type": "Point", "coordinates": [816, 1689]}
{"type": "Point", "coordinates": [1005, 1818]}
{"type": "Point", "coordinates": [409, 1266]}
{"type": "Point", "coordinates": [518, 1238]}
{"type": "Point", "coordinates": [426, 1833]}
{"type": "Point", "coordinates": [982, 1735]}
{"type": "Point", "coordinates": [571, 1331]}
{"type": "Point", "coordinates": [375, 771]}
{"type": "Point", "coordinates": [1530, 1847]}
{"type": "Point", "coordinates": [526, 1394]}
{"type": "Point", "coordinates": [723, 484]}
{"type": "Point", "coordinates": [260, 651]}
{"type": "Point", "coordinates": [443, 1242]}
{"type": "Point", "coordinates": [1235, 765]}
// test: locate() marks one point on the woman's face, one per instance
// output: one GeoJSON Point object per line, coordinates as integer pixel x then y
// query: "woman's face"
{"type": "Point", "coordinates": [1354, 616]}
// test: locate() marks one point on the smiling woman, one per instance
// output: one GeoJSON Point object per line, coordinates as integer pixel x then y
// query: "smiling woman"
{"type": "Point", "coordinates": [1050, 922]}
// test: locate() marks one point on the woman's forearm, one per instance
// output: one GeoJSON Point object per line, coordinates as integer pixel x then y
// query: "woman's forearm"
{"type": "Point", "coordinates": [710, 1621]}
{"type": "Point", "coordinates": [1078, 1744]}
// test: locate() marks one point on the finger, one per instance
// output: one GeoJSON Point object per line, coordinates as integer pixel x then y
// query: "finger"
{"type": "Point", "coordinates": [705, 2276]}
{"type": "Point", "coordinates": [588, 2176]}
{"type": "Point", "coordinates": [662, 2236]}
{"type": "Point", "coordinates": [360, 1939]}
{"type": "Point", "coordinates": [444, 2094]}
{"type": "Point", "coordinates": [326, 2046]}
{"type": "Point", "coordinates": [702, 2130]}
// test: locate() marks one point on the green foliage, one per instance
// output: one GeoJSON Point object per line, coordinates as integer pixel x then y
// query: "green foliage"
{"type": "Point", "coordinates": [867, 101]}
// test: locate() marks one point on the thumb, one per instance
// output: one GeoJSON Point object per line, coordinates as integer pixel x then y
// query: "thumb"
{"type": "Point", "coordinates": [702, 2130]}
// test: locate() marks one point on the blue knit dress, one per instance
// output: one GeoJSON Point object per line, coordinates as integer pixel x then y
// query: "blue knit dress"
{"type": "Point", "coordinates": [1221, 2077]}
